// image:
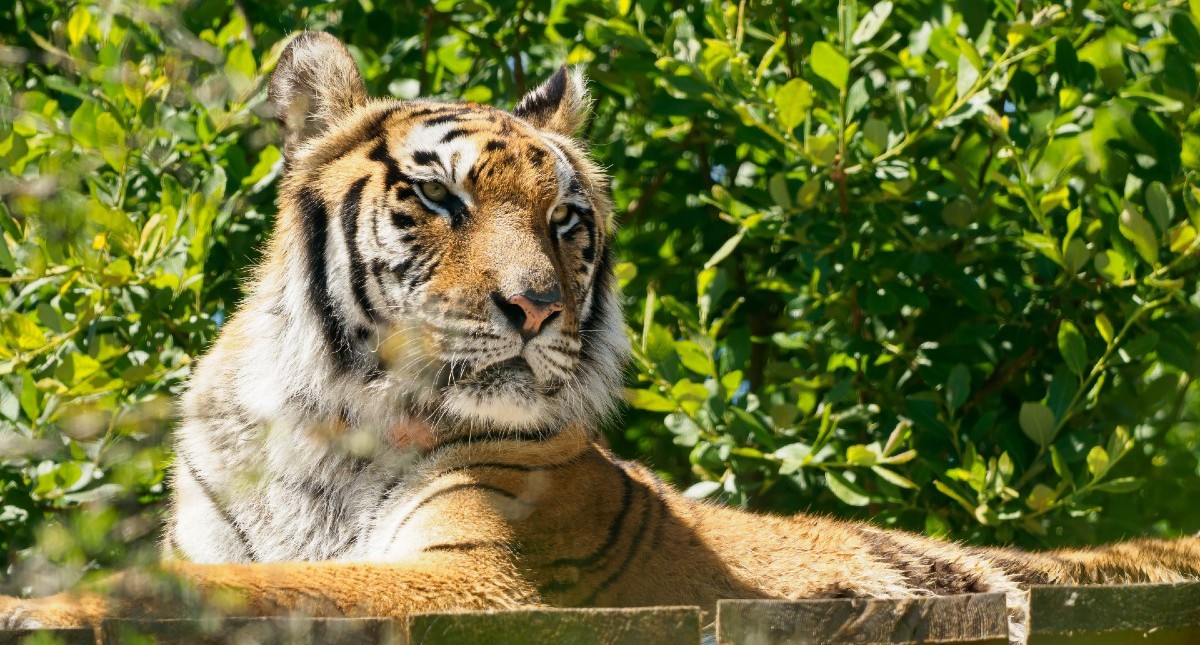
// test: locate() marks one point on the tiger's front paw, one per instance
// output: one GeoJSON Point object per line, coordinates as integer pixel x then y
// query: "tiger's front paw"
{"type": "Point", "coordinates": [51, 612]}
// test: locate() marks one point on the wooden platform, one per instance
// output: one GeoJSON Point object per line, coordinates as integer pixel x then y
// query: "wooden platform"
{"type": "Point", "coordinates": [1141, 614]}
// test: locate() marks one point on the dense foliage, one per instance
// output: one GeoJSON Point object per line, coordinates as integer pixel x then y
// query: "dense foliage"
{"type": "Point", "coordinates": [932, 263]}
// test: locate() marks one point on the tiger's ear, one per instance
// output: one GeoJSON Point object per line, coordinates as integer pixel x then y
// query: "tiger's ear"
{"type": "Point", "coordinates": [315, 84]}
{"type": "Point", "coordinates": [560, 105]}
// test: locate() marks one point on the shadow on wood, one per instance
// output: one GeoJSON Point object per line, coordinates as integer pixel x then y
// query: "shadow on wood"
{"type": "Point", "coordinates": [256, 631]}
{"type": "Point", "coordinates": [646, 626]}
{"type": "Point", "coordinates": [977, 619]}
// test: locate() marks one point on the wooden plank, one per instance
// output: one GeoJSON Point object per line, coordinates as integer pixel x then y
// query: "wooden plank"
{"type": "Point", "coordinates": [261, 631]}
{"type": "Point", "coordinates": [1104, 615]}
{"type": "Point", "coordinates": [648, 626]}
{"type": "Point", "coordinates": [83, 636]}
{"type": "Point", "coordinates": [976, 619]}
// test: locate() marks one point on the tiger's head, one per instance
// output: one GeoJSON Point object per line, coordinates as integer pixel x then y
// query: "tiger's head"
{"type": "Point", "coordinates": [452, 259]}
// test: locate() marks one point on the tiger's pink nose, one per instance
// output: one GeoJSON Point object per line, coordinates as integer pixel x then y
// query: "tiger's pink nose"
{"type": "Point", "coordinates": [530, 311]}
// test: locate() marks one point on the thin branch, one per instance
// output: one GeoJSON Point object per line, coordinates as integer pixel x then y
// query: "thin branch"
{"type": "Point", "coordinates": [423, 73]}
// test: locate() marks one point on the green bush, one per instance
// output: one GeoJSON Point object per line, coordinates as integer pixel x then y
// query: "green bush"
{"type": "Point", "coordinates": [932, 263]}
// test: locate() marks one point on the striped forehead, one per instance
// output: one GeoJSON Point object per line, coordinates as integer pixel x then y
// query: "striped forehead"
{"type": "Point", "coordinates": [446, 147]}
{"type": "Point", "coordinates": [456, 142]}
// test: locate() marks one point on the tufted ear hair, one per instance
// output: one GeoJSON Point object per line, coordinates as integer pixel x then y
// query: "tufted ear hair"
{"type": "Point", "coordinates": [315, 84]}
{"type": "Point", "coordinates": [560, 105]}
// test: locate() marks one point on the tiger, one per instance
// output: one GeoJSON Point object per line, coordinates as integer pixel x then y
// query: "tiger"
{"type": "Point", "coordinates": [405, 413]}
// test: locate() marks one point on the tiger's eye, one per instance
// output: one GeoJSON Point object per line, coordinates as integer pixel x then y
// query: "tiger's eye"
{"type": "Point", "coordinates": [560, 214]}
{"type": "Point", "coordinates": [434, 190]}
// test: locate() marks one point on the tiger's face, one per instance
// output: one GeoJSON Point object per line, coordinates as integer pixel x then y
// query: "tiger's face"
{"type": "Point", "coordinates": [454, 252]}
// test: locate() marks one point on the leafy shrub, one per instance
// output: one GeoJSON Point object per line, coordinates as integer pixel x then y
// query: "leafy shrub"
{"type": "Point", "coordinates": [929, 263]}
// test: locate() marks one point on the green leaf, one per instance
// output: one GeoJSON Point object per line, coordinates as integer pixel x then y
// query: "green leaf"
{"type": "Point", "coordinates": [1111, 265]}
{"type": "Point", "coordinates": [1073, 348]}
{"type": "Point", "coordinates": [954, 495]}
{"type": "Point", "coordinates": [860, 455]}
{"type": "Point", "coordinates": [1136, 229]}
{"type": "Point", "coordinates": [1060, 465]}
{"type": "Point", "coordinates": [829, 64]}
{"type": "Point", "coordinates": [110, 138]}
{"type": "Point", "coordinates": [1119, 485]}
{"type": "Point", "coordinates": [893, 477]}
{"type": "Point", "coordinates": [871, 23]}
{"type": "Point", "coordinates": [1159, 203]}
{"type": "Point", "coordinates": [701, 490]}
{"type": "Point", "coordinates": [240, 68]}
{"type": "Point", "coordinates": [1037, 422]}
{"type": "Point", "coordinates": [649, 401]}
{"type": "Point", "coordinates": [1041, 497]}
{"type": "Point", "coordinates": [83, 124]}
{"type": "Point", "coordinates": [1076, 255]}
{"type": "Point", "coordinates": [769, 56]}
{"type": "Point", "coordinates": [958, 386]}
{"type": "Point", "coordinates": [694, 357]}
{"type": "Point", "coordinates": [778, 189]}
{"type": "Point", "coordinates": [686, 432]}
{"type": "Point", "coordinates": [29, 397]}
{"type": "Point", "coordinates": [1105, 327]}
{"type": "Point", "coordinates": [792, 102]}
{"type": "Point", "coordinates": [78, 24]}
{"type": "Point", "coordinates": [967, 76]}
{"type": "Point", "coordinates": [1097, 461]}
{"type": "Point", "coordinates": [725, 249]}
{"type": "Point", "coordinates": [845, 490]}
{"type": "Point", "coordinates": [792, 456]}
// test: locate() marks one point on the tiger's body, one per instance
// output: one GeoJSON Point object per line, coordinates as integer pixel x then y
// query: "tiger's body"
{"type": "Point", "coordinates": [402, 417]}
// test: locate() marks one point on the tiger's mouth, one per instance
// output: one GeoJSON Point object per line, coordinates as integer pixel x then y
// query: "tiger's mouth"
{"type": "Point", "coordinates": [512, 375]}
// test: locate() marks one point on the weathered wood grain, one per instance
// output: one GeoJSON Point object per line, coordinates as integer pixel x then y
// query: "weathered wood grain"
{"type": "Point", "coordinates": [1143, 614]}
{"type": "Point", "coordinates": [257, 631]}
{"type": "Point", "coordinates": [977, 619]}
{"type": "Point", "coordinates": [47, 636]}
{"type": "Point", "coordinates": [648, 626]}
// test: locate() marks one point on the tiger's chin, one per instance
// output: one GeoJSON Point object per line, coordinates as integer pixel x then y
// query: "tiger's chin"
{"type": "Point", "coordinates": [505, 397]}
{"type": "Point", "coordinates": [502, 397]}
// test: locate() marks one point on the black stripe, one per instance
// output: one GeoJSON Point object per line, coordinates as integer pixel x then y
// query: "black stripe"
{"type": "Point", "coordinates": [426, 273]}
{"type": "Point", "coordinates": [454, 134]}
{"type": "Point", "coordinates": [426, 158]}
{"type": "Point", "coordinates": [371, 130]}
{"type": "Point", "coordinates": [495, 144]}
{"type": "Point", "coordinates": [402, 268]}
{"type": "Point", "coordinates": [450, 490]}
{"type": "Point", "coordinates": [315, 222]}
{"type": "Point", "coordinates": [380, 153]}
{"type": "Point", "coordinates": [358, 269]}
{"type": "Point", "coordinates": [524, 468]}
{"type": "Point", "coordinates": [403, 220]}
{"type": "Point", "coordinates": [588, 220]}
{"type": "Point", "coordinates": [536, 155]}
{"type": "Point", "coordinates": [472, 546]}
{"type": "Point", "coordinates": [614, 527]}
{"type": "Point", "coordinates": [222, 511]}
{"type": "Point", "coordinates": [921, 571]}
{"type": "Point", "coordinates": [599, 290]}
{"type": "Point", "coordinates": [445, 118]}
{"type": "Point", "coordinates": [638, 534]}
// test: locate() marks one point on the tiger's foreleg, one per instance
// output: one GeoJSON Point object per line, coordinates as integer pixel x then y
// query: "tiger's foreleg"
{"type": "Point", "coordinates": [434, 582]}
